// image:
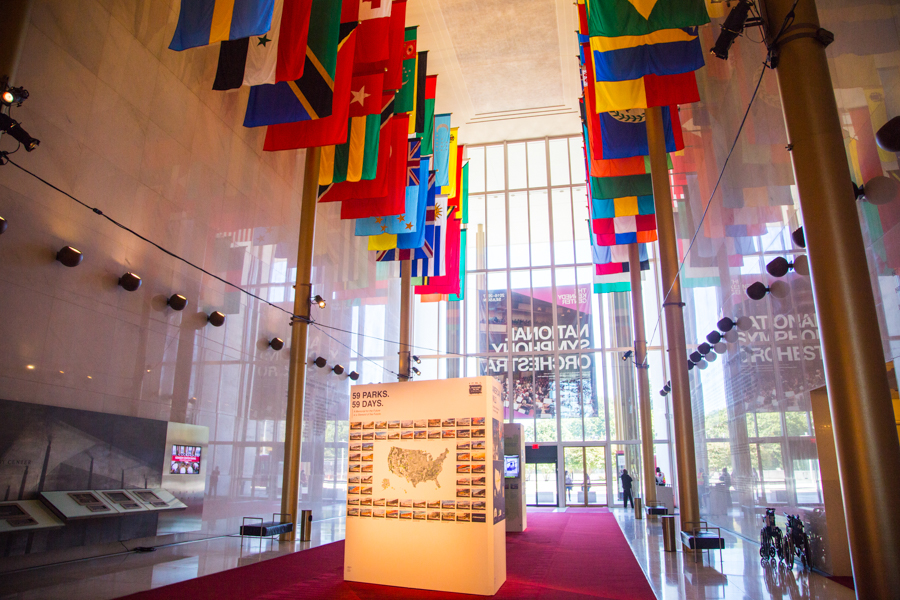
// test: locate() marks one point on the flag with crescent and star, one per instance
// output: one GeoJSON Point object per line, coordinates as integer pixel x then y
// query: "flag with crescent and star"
{"type": "Point", "coordinates": [406, 96]}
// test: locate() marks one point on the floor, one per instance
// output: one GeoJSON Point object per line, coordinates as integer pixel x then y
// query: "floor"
{"type": "Point", "coordinates": [740, 575]}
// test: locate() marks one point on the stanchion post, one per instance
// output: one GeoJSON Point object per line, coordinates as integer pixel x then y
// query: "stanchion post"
{"type": "Point", "coordinates": [405, 302]}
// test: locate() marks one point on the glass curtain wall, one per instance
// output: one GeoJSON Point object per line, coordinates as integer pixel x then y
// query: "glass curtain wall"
{"type": "Point", "coordinates": [530, 319]}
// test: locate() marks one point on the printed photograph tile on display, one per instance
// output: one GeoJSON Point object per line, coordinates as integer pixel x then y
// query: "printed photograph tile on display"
{"type": "Point", "coordinates": [478, 481]}
{"type": "Point", "coordinates": [406, 435]}
{"type": "Point", "coordinates": [448, 516]}
{"type": "Point", "coordinates": [365, 502]}
{"type": "Point", "coordinates": [479, 518]}
{"type": "Point", "coordinates": [463, 445]}
{"type": "Point", "coordinates": [463, 505]}
{"type": "Point", "coordinates": [355, 447]}
{"type": "Point", "coordinates": [406, 503]}
{"type": "Point", "coordinates": [365, 512]}
{"type": "Point", "coordinates": [369, 435]}
{"type": "Point", "coordinates": [393, 424]}
{"type": "Point", "coordinates": [352, 501]}
{"type": "Point", "coordinates": [380, 424]}
{"type": "Point", "coordinates": [393, 435]}
{"type": "Point", "coordinates": [464, 422]}
{"type": "Point", "coordinates": [419, 504]}
{"type": "Point", "coordinates": [477, 421]}
{"type": "Point", "coordinates": [408, 424]}
{"type": "Point", "coordinates": [406, 514]}
{"type": "Point", "coordinates": [378, 513]}
{"type": "Point", "coordinates": [369, 425]}
{"type": "Point", "coordinates": [421, 434]}
{"type": "Point", "coordinates": [462, 433]}
{"type": "Point", "coordinates": [355, 435]}
{"type": "Point", "coordinates": [352, 512]}
{"type": "Point", "coordinates": [463, 456]}
{"type": "Point", "coordinates": [434, 515]}
{"type": "Point", "coordinates": [378, 502]}
{"type": "Point", "coordinates": [478, 456]}
{"type": "Point", "coordinates": [419, 515]}
{"type": "Point", "coordinates": [366, 479]}
{"type": "Point", "coordinates": [368, 446]}
{"type": "Point", "coordinates": [462, 481]}
{"type": "Point", "coordinates": [478, 468]}
{"type": "Point", "coordinates": [479, 505]}
{"type": "Point", "coordinates": [393, 513]}
{"type": "Point", "coordinates": [353, 469]}
{"type": "Point", "coordinates": [478, 433]}
{"type": "Point", "coordinates": [463, 517]}
{"type": "Point", "coordinates": [449, 422]}
{"type": "Point", "coordinates": [448, 504]}
{"type": "Point", "coordinates": [463, 492]}
{"type": "Point", "coordinates": [420, 423]}
{"type": "Point", "coordinates": [434, 435]}
{"type": "Point", "coordinates": [448, 434]}
{"type": "Point", "coordinates": [434, 422]}
{"type": "Point", "coordinates": [463, 468]}
{"type": "Point", "coordinates": [355, 425]}
{"type": "Point", "coordinates": [479, 493]}
{"type": "Point", "coordinates": [381, 435]}
{"type": "Point", "coordinates": [479, 445]}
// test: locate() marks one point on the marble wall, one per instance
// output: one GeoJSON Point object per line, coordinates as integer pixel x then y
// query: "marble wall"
{"type": "Point", "coordinates": [134, 129]}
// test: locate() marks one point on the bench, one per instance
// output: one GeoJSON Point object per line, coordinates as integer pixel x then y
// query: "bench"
{"type": "Point", "coordinates": [656, 508]}
{"type": "Point", "coordinates": [268, 529]}
{"type": "Point", "coordinates": [703, 537]}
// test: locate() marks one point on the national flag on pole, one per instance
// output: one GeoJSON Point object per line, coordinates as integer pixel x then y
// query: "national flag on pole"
{"type": "Point", "coordinates": [450, 189]}
{"type": "Point", "coordinates": [615, 18]}
{"type": "Point", "coordinates": [204, 22]}
{"type": "Point", "coordinates": [406, 222]}
{"type": "Point", "coordinates": [428, 116]}
{"type": "Point", "coordinates": [625, 230]}
{"type": "Point", "coordinates": [346, 190]}
{"type": "Point", "coordinates": [430, 259]}
{"type": "Point", "coordinates": [372, 47]}
{"type": "Point", "coordinates": [357, 158]}
{"type": "Point", "coordinates": [649, 90]}
{"type": "Point", "coordinates": [325, 131]}
{"type": "Point", "coordinates": [406, 96]}
{"type": "Point", "coordinates": [663, 52]}
{"type": "Point", "coordinates": [604, 255]}
{"type": "Point", "coordinates": [628, 206]}
{"type": "Point", "coordinates": [393, 77]}
{"type": "Point", "coordinates": [417, 117]}
{"type": "Point", "coordinates": [619, 187]}
{"type": "Point", "coordinates": [456, 199]}
{"type": "Point", "coordinates": [415, 239]}
{"type": "Point", "coordinates": [393, 201]}
{"type": "Point", "coordinates": [312, 96]}
{"type": "Point", "coordinates": [278, 55]}
{"type": "Point", "coordinates": [464, 207]}
{"type": "Point", "coordinates": [449, 282]}
{"type": "Point", "coordinates": [442, 149]}
{"type": "Point", "coordinates": [623, 133]}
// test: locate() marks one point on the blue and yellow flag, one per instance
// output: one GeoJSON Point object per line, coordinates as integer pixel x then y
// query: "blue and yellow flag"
{"type": "Point", "coordinates": [204, 22]}
{"type": "Point", "coordinates": [664, 52]}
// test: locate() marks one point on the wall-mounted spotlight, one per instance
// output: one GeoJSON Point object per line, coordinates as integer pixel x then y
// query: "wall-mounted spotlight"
{"type": "Point", "coordinates": [416, 371]}
{"type": "Point", "coordinates": [3, 225]}
{"type": "Point", "coordinates": [702, 364]}
{"type": "Point", "coordinates": [690, 365]}
{"type": "Point", "coordinates": [353, 375]}
{"type": "Point", "coordinates": [276, 344]}
{"type": "Point", "coordinates": [69, 256]}
{"type": "Point", "coordinates": [216, 319]}
{"type": "Point", "coordinates": [888, 135]}
{"type": "Point", "coordinates": [417, 359]}
{"type": "Point", "coordinates": [14, 129]}
{"type": "Point", "coordinates": [726, 324]}
{"type": "Point", "coordinates": [320, 362]}
{"type": "Point", "coordinates": [627, 355]}
{"type": "Point", "coordinates": [779, 267]}
{"type": "Point", "coordinates": [878, 190]}
{"type": "Point", "coordinates": [666, 389]}
{"type": "Point", "coordinates": [732, 28]}
{"type": "Point", "coordinates": [12, 95]}
{"type": "Point", "coordinates": [758, 290]}
{"type": "Point", "coordinates": [317, 299]}
{"type": "Point", "coordinates": [338, 369]}
{"type": "Point", "coordinates": [713, 337]}
{"type": "Point", "coordinates": [799, 237]}
{"type": "Point", "coordinates": [695, 357]}
{"type": "Point", "coordinates": [130, 282]}
{"type": "Point", "coordinates": [177, 302]}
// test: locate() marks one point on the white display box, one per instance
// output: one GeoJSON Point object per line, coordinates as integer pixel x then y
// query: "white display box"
{"type": "Point", "coordinates": [26, 515]}
{"type": "Point", "coordinates": [425, 498]}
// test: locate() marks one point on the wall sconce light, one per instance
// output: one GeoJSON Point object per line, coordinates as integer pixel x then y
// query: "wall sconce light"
{"type": "Point", "coordinates": [417, 359]}
{"type": "Point", "coordinates": [338, 369]}
{"type": "Point", "coordinates": [317, 299]}
{"type": "Point", "coordinates": [320, 362]}
{"type": "Point", "coordinates": [779, 267]}
{"type": "Point", "coordinates": [276, 344]}
{"type": "Point", "coordinates": [353, 375]}
{"type": "Point", "coordinates": [69, 256]}
{"type": "Point", "coordinates": [799, 237]}
{"type": "Point", "coordinates": [3, 225]}
{"type": "Point", "coordinates": [177, 302]}
{"type": "Point", "coordinates": [416, 371]}
{"type": "Point", "coordinates": [216, 319]}
{"type": "Point", "coordinates": [758, 290]}
{"type": "Point", "coordinates": [130, 282]}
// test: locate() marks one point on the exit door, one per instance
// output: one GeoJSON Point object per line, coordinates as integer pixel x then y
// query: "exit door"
{"type": "Point", "coordinates": [585, 476]}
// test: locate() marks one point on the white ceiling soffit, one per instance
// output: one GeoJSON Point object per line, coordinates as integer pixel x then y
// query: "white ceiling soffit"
{"type": "Point", "coordinates": [506, 69]}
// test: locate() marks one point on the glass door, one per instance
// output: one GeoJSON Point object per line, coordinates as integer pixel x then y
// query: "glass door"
{"type": "Point", "coordinates": [585, 476]}
{"type": "Point", "coordinates": [540, 484]}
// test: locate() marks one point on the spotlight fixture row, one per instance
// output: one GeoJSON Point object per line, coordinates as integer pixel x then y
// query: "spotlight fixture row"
{"type": "Point", "coordinates": [336, 369]}
{"type": "Point", "coordinates": [708, 351]}
{"type": "Point", "coordinates": [666, 389]}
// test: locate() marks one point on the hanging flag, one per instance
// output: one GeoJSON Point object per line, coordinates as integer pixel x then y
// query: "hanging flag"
{"type": "Point", "coordinates": [325, 131]}
{"type": "Point", "coordinates": [450, 189]}
{"type": "Point", "coordinates": [405, 222]}
{"type": "Point", "coordinates": [312, 96]}
{"type": "Point", "coordinates": [417, 117]}
{"type": "Point", "coordinates": [464, 204]}
{"type": "Point", "coordinates": [393, 201]}
{"type": "Point", "coordinates": [204, 22]}
{"type": "Point", "coordinates": [608, 208]}
{"type": "Point", "coordinates": [372, 47]}
{"type": "Point", "coordinates": [442, 149]}
{"type": "Point", "coordinates": [623, 133]}
{"type": "Point", "coordinates": [265, 59]}
{"type": "Point", "coordinates": [406, 96]}
{"type": "Point", "coordinates": [649, 90]}
{"type": "Point", "coordinates": [625, 230]}
{"type": "Point", "coordinates": [428, 116]}
{"type": "Point", "coordinates": [449, 282]}
{"type": "Point", "coordinates": [456, 200]}
{"type": "Point", "coordinates": [415, 239]}
{"type": "Point", "coordinates": [663, 52]}
{"type": "Point", "coordinates": [604, 255]}
{"type": "Point", "coordinates": [619, 187]}
{"type": "Point", "coordinates": [393, 77]}
{"type": "Point", "coordinates": [430, 259]}
{"type": "Point", "coordinates": [376, 187]}
{"type": "Point", "coordinates": [357, 158]}
{"type": "Point", "coordinates": [614, 18]}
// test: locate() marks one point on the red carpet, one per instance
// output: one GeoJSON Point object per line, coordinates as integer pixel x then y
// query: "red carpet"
{"type": "Point", "coordinates": [561, 556]}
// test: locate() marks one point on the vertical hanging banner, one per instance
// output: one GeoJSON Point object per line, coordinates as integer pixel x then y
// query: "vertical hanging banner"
{"type": "Point", "coordinates": [442, 149]}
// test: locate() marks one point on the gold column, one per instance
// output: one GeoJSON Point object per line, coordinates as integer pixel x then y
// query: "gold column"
{"type": "Point", "coordinates": [643, 375]}
{"type": "Point", "coordinates": [865, 439]}
{"type": "Point", "coordinates": [293, 426]}
{"type": "Point", "coordinates": [13, 28]}
{"type": "Point", "coordinates": [673, 308]}
{"type": "Point", "coordinates": [405, 300]}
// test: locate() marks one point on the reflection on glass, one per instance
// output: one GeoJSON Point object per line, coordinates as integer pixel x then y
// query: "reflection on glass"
{"type": "Point", "coordinates": [540, 484]}
{"type": "Point", "coordinates": [563, 247]}
{"type": "Point", "coordinates": [518, 229]}
{"type": "Point", "coordinates": [540, 228]}
{"type": "Point", "coordinates": [559, 162]}
{"type": "Point", "coordinates": [495, 178]}
{"type": "Point", "coordinates": [534, 395]}
{"type": "Point", "coordinates": [537, 164]}
{"type": "Point", "coordinates": [585, 476]}
{"type": "Point", "coordinates": [518, 169]}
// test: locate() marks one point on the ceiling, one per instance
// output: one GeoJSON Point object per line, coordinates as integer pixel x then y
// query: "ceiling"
{"type": "Point", "coordinates": [506, 70]}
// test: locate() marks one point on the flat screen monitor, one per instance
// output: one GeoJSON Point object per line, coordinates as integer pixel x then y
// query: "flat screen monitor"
{"type": "Point", "coordinates": [185, 460]}
{"type": "Point", "coordinates": [511, 466]}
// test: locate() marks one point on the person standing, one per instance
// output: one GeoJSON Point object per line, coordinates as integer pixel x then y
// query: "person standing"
{"type": "Point", "coordinates": [660, 477]}
{"type": "Point", "coordinates": [568, 485]}
{"type": "Point", "coordinates": [214, 482]}
{"type": "Point", "coordinates": [626, 487]}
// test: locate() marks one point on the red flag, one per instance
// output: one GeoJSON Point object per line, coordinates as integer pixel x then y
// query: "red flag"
{"type": "Point", "coordinates": [393, 202]}
{"type": "Point", "coordinates": [373, 45]}
{"type": "Point", "coordinates": [365, 94]}
{"type": "Point", "coordinates": [326, 131]}
{"type": "Point", "coordinates": [618, 167]}
{"type": "Point", "coordinates": [393, 77]}
{"type": "Point", "coordinates": [449, 283]}
{"type": "Point", "coordinates": [293, 30]}
{"type": "Point", "coordinates": [455, 200]}
{"type": "Point", "coordinates": [593, 119]}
